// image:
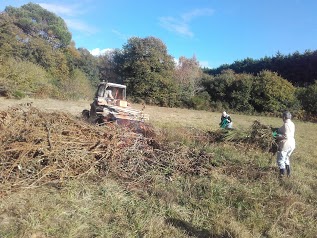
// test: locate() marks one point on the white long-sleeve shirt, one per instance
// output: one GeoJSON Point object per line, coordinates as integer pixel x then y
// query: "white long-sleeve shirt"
{"type": "Point", "coordinates": [288, 135]}
{"type": "Point", "coordinates": [108, 94]}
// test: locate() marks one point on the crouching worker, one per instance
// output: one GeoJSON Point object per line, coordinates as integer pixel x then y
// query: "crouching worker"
{"type": "Point", "coordinates": [286, 144]}
{"type": "Point", "coordinates": [226, 121]}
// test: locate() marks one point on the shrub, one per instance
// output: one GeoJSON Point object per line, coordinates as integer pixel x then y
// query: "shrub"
{"type": "Point", "coordinates": [308, 98]}
{"type": "Point", "coordinates": [77, 87]}
{"type": "Point", "coordinates": [201, 101]}
{"type": "Point", "coordinates": [272, 93]}
{"type": "Point", "coordinates": [22, 78]}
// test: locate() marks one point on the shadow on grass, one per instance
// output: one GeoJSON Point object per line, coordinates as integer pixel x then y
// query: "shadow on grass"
{"type": "Point", "coordinates": [193, 231]}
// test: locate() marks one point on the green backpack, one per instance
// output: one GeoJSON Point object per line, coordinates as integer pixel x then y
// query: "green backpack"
{"type": "Point", "coordinates": [224, 123]}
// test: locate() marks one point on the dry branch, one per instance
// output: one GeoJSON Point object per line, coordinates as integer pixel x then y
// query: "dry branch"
{"type": "Point", "coordinates": [41, 148]}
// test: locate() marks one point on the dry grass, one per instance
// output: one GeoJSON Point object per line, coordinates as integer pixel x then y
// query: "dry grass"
{"type": "Point", "coordinates": [306, 136]}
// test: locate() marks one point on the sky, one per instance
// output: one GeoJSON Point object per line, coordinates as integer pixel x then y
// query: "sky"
{"type": "Point", "coordinates": [216, 32]}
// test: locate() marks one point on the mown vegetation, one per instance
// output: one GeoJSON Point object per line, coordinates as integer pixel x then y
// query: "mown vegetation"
{"type": "Point", "coordinates": [61, 177]}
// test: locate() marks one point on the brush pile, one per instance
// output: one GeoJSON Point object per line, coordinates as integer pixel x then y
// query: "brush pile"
{"type": "Point", "coordinates": [258, 136]}
{"type": "Point", "coordinates": [261, 136]}
{"type": "Point", "coordinates": [38, 147]}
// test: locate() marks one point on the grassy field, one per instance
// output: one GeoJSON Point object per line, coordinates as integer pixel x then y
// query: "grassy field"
{"type": "Point", "coordinates": [234, 190]}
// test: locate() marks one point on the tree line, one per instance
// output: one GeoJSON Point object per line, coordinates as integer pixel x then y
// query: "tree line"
{"type": "Point", "coordinates": [297, 68]}
{"type": "Point", "coordinates": [39, 58]}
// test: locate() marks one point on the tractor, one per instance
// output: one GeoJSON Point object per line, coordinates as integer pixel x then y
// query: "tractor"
{"type": "Point", "coordinates": [110, 106]}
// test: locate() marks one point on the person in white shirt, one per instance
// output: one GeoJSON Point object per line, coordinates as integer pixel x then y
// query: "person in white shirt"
{"type": "Point", "coordinates": [286, 144]}
{"type": "Point", "coordinates": [225, 121]}
{"type": "Point", "coordinates": [108, 93]}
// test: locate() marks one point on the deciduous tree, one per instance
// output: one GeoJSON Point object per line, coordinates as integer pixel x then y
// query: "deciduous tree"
{"type": "Point", "coordinates": [188, 75]}
{"type": "Point", "coordinates": [147, 69]}
{"type": "Point", "coordinates": [37, 21]}
{"type": "Point", "coordinates": [272, 93]}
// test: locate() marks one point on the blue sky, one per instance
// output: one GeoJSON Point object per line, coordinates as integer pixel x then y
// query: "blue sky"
{"type": "Point", "coordinates": [215, 31]}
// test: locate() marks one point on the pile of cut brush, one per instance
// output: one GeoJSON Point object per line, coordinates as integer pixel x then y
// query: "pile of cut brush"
{"type": "Point", "coordinates": [257, 136]}
{"type": "Point", "coordinates": [38, 147]}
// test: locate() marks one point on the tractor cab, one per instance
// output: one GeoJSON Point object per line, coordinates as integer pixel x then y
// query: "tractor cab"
{"type": "Point", "coordinates": [111, 94]}
{"type": "Point", "coordinates": [110, 105]}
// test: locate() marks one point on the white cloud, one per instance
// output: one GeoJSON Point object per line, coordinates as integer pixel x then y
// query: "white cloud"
{"type": "Point", "coordinates": [204, 64]}
{"type": "Point", "coordinates": [97, 51]}
{"type": "Point", "coordinates": [175, 61]}
{"type": "Point", "coordinates": [81, 26]}
{"type": "Point", "coordinates": [182, 25]}
{"type": "Point", "coordinates": [120, 35]}
{"type": "Point", "coordinates": [66, 10]}
{"type": "Point", "coordinates": [69, 13]}
{"type": "Point", "coordinates": [174, 25]}
{"type": "Point", "coordinates": [187, 17]}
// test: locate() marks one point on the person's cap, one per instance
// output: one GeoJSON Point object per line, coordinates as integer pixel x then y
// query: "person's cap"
{"type": "Point", "coordinates": [224, 113]}
{"type": "Point", "coordinates": [287, 115]}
